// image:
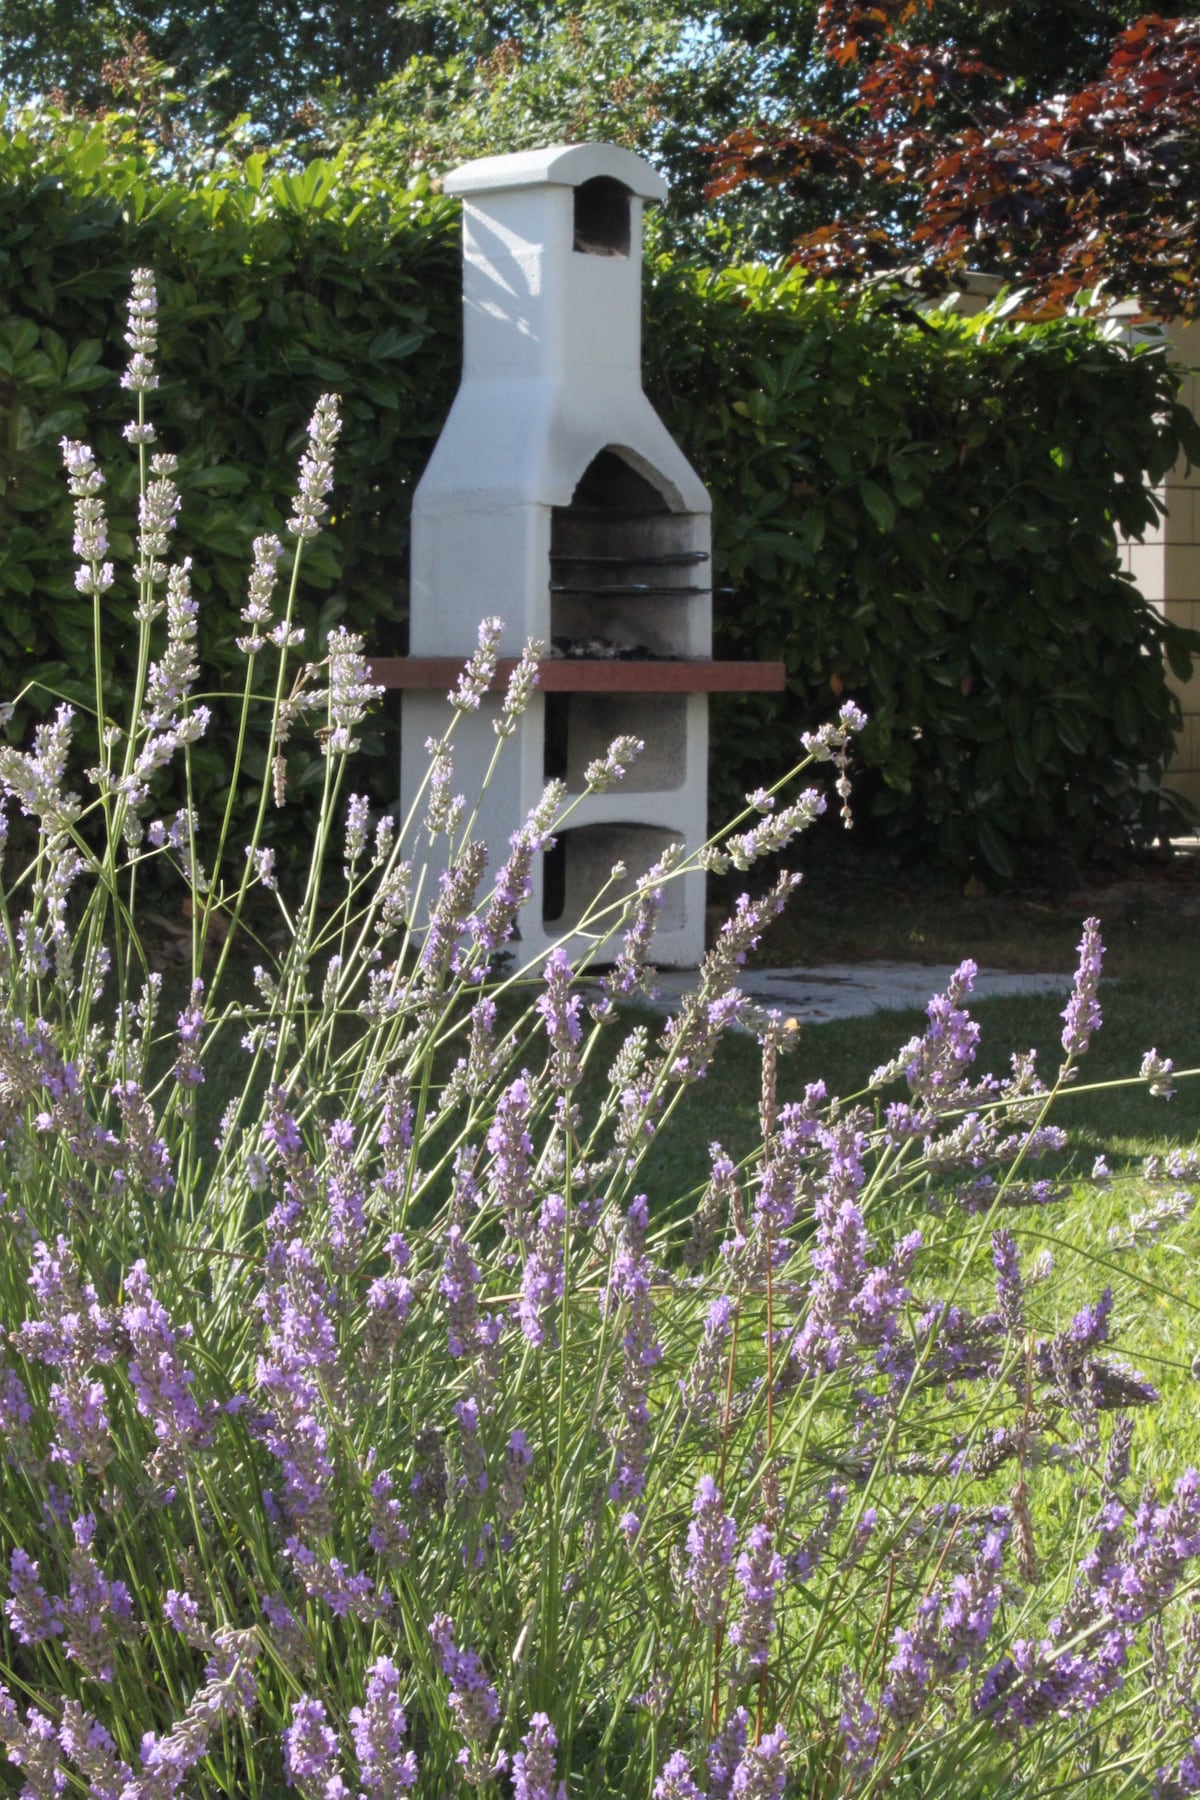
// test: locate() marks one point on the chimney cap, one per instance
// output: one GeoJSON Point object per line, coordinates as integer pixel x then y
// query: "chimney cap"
{"type": "Point", "coordinates": [559, 165]}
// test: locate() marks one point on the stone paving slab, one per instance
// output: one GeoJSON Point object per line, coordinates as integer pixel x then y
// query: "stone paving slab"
{"type": "Point", "coordinates": [852, 990]}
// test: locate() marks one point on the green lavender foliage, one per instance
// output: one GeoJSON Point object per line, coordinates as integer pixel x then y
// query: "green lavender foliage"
{"type": "Point", "coordinates": [918, 513]}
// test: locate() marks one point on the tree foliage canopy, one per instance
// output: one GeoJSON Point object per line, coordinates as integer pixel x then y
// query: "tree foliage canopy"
{"type": "Point", "coordinates": [265, 59]}
{"type": "Point", "coordinates": [935, 163]}
{"type": "Point", "coordinates": [835, 118]}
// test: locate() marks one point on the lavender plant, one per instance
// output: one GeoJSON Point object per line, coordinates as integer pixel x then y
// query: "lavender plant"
{"type": "Point", "coordinates": [399, 1438]}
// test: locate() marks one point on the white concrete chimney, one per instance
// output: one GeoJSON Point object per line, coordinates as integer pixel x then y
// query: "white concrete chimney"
{"type": "Point", "coordinates": [556, 498]}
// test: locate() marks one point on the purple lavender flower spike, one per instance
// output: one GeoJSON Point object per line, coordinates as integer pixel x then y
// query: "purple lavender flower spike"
{"type": "Point", "coordinates": [860, 1732]}
{"type": "Point", "coordinates": [350, 691]}
{"type": "Point", "coordinates": [347, 1224]}
{"type": "Point", "coordinates": [389, 1298]}
{"type": "Point", "coordinates": [298, 1364]}
{"type": "Point", "coordinates": [559, 1011]}
{"type": "Point", "coordinates": [1081, 1015]}
{"type": "Point", "coordinates": [762, 1772]}
{"type": "Point", "coordinates": [85, 480]}
{"type": "Point", "coordinates": [83, 1438]}
{"type": "Point", "coordinates": [386, 1767]}
{"type": "Point", "coordinates": [518, 1461]}
{"type": "Point", "coordinates": [188, 1072]}
{"type": "Point", "coordinates": [169, 720]}
{"type": "Point", "coordinates": [631, 972]}
{"type": "Point", "coordinates": [476, 676]}
{"type": "Point", "coordinates": [35, 778]}
{"type": "Point", "coordinates": [969, 1607]}
{"type": "Point", "coordinates": [73, 1333]}
{"type": "Point", "coordinates": [772, 834]}
{"type": "Point", "coordinates": [802, 1562]}
{"type": "Point", "coordinates": [949, 1633]}
{"type": "Point", "coordinates": [395, 1133]}
{"type": "Point", "coordinates": [606, 771]}
{"type": "Point", "coordinates": [457, 1286]}
{"type": "Point", "coordinates": [850, 1301]}
{"type": "Point", "coordinates": [160, 1379]}
{"type": "Point", "coordinates": [710, 1543]}
{"type": "Point", "coordinates": [35, 1071]}
{"type": "Point", "coordinates": [282, 1131]}
{"type": "Point", "coordinates": [533, 1767]}
{"type": "Point", "coordinates": [691, 1035]}
{"type": "Point", "coordinates": [760, 1569]}
{"type": "Point", "coordinates": [91, 1748]}
{"type": "Point", "coordinates": [1089, 1327]}
{"type": "Point", "coordinates": [329, 1579]}
{"type": "Point", "coordinates": [182, 1613]}
{"type": "Point", "coordinates": [521, 685]}
{"type": "Point", "coordinates": [229, 1691]}
{"type": "Point", "coordinates": [630, 1285]}
{"type": "Point", "coordinates": [675, 1782]}
{"type": "Point", "coordinates": [310, 1752]}
{"type": "Point", "coordinates": [451, 917]}
{"type": "Point", "coordinates": [702, 1383]}
{"type": "Point", "coordinates": [725, 1752]}
{"type": "Point", "coordinates": [935, 1065]}
{"type": "Point", "coordinates": [30, 1613]}
{"type": "Point", "coordinates": [263, 578]}
{"type": "Point", "coordinates": [146, 1157]}
{"type": "Point", "coordinates": [15, 1414]}
{"type": "Point", "coordinates": [474, 1702]}
{"type": "Point", "coordinates": [286, 1630]}
{"type": "Point", "coordinates": [358, 814]}
{"type": "Point", "coordinates": [542, 1279]}
{"type": "Point", "coordinates": [142, 333]}
{"type": "Point", "coordinates": [474, 1462]}
{"type": "Point", "coordinates": [1157, 1071]}
{"type": "Point", "coordinates": [514, 881]}
{"type": "Point", "coordinates": [1009, 1297]}
{"type": "Point", "coordinates": [511, 1147]}
{"type": "Point", "coordinates": [316, 469]}
{"type": "Point", "coordinates": [389, 1534]}
{"type": "Point", "coordinates": [32, 1745]}
{"type": "Point", "coordinates": [97, 1612]}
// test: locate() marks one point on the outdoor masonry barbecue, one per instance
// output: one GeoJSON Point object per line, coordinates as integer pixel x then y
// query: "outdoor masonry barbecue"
{"type": "Point", "coordinates": [556, 499]}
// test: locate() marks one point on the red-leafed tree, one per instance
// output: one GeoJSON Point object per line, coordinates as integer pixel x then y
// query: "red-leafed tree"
{"type": "Point", "coordinates": [931, 170]}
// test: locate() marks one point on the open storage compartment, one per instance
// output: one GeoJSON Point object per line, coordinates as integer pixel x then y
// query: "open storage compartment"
{"type": "Point", "coordinates": [582, 862]}
{"type": "Point", "coordinates": [580, 728]}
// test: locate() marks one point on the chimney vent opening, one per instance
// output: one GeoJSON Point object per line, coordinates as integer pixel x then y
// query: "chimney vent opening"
{"type": "Point", "coordinates": [602, 210]}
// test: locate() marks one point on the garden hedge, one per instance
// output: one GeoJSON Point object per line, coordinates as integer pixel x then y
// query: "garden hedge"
{"type": "Point", "coordinates": [918, 513]}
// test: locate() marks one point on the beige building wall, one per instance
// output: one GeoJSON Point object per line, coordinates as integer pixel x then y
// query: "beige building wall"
{"type": "Point", "coordinates": [1165, 565]}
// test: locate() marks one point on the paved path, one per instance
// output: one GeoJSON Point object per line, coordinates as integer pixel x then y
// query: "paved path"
{"type": "Point", "coordinates": [851, 990]}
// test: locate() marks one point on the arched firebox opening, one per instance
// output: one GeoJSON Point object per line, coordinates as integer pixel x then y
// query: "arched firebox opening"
{"type": "Point", "coordinates": [626, 583]}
